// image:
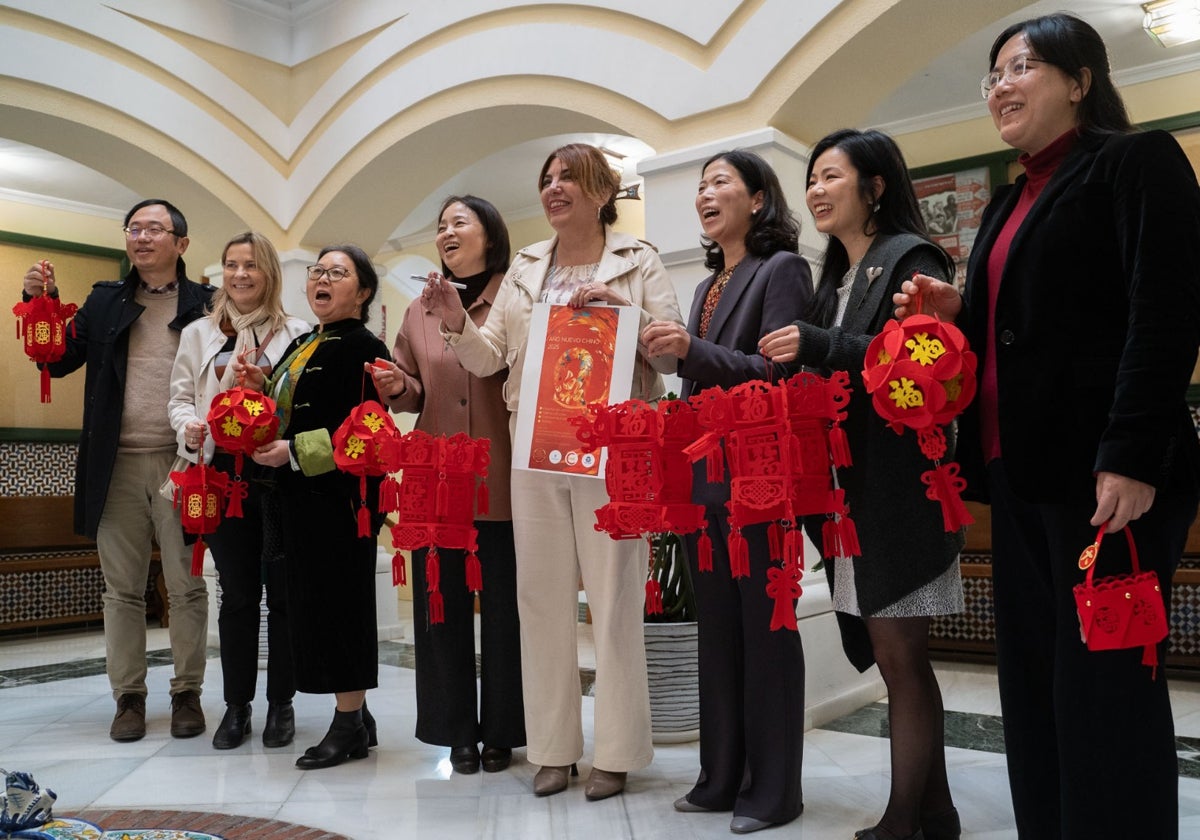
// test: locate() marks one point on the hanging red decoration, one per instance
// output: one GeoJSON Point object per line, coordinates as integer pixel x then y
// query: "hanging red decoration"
{"type": "Point", "coordinates": [199, 495]}
{"type": "Point", "coordinates": [368, 444]}
{"type": "Point", "coordinates": [42, 324]}
{"type": "Point", "coordinates": [920, 373]}
{"type": "Point", "coordinates": [441, 489]}
{"type": "Point", "coordinates": [240, 421]}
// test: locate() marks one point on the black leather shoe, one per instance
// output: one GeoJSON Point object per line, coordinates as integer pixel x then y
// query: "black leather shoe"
{"type": "Point", "coordinates": [369, 722]}
{"type": "Point", "coordinates": [465, 760]}
{"type": "Point", "coordinates": [496, 759]}
{"type": "Point", "coordinates": [234, 728]}
{"type": "Point", "coordinates": [281, 725]}
{"type": "Point", "coordinates": [880, 833]}
{"type": "Point", "coordinates": [943, 826]}
{"type": "Point", "coordinates": [346, 738]}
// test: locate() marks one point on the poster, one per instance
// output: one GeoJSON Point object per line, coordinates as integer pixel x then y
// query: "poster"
{"type": "Point", "coordinates": [573, 357]}
{"type": "Point", "coordinates": [952, 206]}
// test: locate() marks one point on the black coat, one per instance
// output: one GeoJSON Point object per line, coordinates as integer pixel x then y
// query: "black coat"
{"type": "Point", "coordinates": [100, 339]}
{"type": "Point", "coordinates": [904, 544]}
{"type": "Point", "coordinates": [1097, 322]}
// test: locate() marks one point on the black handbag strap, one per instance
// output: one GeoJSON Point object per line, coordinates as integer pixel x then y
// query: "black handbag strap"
{"type": "Point", "coordinates": [1087, 560]}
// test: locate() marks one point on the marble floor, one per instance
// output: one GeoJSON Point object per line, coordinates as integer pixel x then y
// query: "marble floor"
{"type": "Point", "coordinates": [55, 710]}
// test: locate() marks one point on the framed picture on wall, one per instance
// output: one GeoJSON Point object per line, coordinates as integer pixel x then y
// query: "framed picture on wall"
{"type": "Point", "coordinates": [952, 206]}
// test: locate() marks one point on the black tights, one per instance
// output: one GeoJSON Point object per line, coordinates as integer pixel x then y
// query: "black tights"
{"type": "Point", "coordinates": [915, 718]}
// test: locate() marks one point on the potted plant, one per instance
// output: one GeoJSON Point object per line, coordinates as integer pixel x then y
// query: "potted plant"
{"type": "Point", "coordinates": [670, 634]}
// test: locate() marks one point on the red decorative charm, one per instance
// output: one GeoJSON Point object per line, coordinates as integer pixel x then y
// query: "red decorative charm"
{"type": "Point", "coordinates": [440, 490]}
{"type": "Point", "coordinates": [368, 443]}
{"type": "Point", "coordinates": [42, 323]}
{"type": "Point", "coordinates": [920, 373]}
{"type": "Point", "coordinates": [241, 420]}
{"type": "Point", "coordinates": [199, 495]}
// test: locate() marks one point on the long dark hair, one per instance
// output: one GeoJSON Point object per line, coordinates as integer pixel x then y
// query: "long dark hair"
{"type": "Point", "coordinates": [872, 154]}
{"type": "Point", "coordinates": [364, 268]}
{"type": "Point", "coordinates": [1070, 44]}
{"type": "Point", "coordinates": [499, 251]}
{"type": "Point", "coordinates": [773, 228]}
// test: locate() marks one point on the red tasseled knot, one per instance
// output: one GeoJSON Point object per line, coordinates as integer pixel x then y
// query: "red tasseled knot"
{"type": "Point", "coordinates": [442, 496]}
{"type": "Point", "coordinates": [198, 557]}
{"type": "Point", "coordinates": [715, 465]}
{"type": "Point", "coordinates": [739, 555]}
{"type": "Point", "coordinates": [783, 585]}
{"type": "Point", "coordinates": [793, 547]}
{"type": "Point", "coordinates": [654, 601]}
{"type": "Point", "coordinates": [238, 490]}
{"type": "Point", "coordinates": [704, 549]}
{"type": "Point", "coordinates": [481, 500]}
{"type": "Point", "coordinates": [839, 447]}
{"type": "Point", "coordinates": [437, 610]}
{"type": "Point", "coordinates": [932, 442]}
{"type": "Point", "coordinates": [433, 582]}
{"type": "Point", "coordinates": [389, 495]}
{"type": "Point", "coordinates": [848, 536]}
{"type": "Point", "coordinates": [946, 486]}
{"type": "Point", "coordinates": [830, 539]}
{"type": "Point", "coordinates": [364, 520]}
{"type": "Point", "coordinates": [474, 573]}
{"type": "Point", "coordinates": [398, 576]}
{"type": "Point", "coordinates": [775, 541]}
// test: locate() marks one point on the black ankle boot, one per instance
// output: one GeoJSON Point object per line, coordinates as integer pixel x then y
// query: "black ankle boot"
{"type": "Point", "coordinates": [346, 738]}
{"type": "Point", "coordinates": [942, 826]}
{"type": "Point", "coordinates": [369, 722]}
{"type": "Point", "coordinates": [234, 728]}
{"type": "Point", "coordinates": [281, 725]}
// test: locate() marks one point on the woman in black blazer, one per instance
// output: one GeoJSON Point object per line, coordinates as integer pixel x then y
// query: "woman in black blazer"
{"type": "Point", "coordinates": [860, 195]}
{"type": "Point", "coordinates": [1083, 303]}
{"type": "Point", "coordinates": [751, 677]}
{"type": "Point", "coordinates": [328, 568]}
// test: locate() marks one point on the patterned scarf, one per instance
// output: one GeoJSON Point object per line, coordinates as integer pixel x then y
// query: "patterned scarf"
{"type": "Point", "coordinates": [289, 373]}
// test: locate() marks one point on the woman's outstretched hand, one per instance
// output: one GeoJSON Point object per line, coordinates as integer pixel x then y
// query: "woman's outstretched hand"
{"type": "Point", "coordinates": [442, 300]}
{"type": "Point", "coordinates": [937, 298]}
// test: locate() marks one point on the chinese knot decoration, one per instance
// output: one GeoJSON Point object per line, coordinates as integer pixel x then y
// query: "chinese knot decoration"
{"type": "Point", "coordinates": [647, 475]}
{"type": "Point", "coordinates": [782, 442]}
{"type": "Point", "coordinates": [199, 493]}
{"type": "Point", "coordinates": [42, 323]}
{"type": "Point", "coordinates": [441, 489]}
{"type": "Point", "coordinates": [920, 373]}
{"type": "Point", "coordinates": [368, 443]}
{"type": "Point", "coordinates": [241, 420]}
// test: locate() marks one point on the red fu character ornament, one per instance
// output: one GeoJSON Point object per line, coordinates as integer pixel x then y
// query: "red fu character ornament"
{"type": "Point", "coordinates": [42, 323]}
{"type": "Point", "coordinates": [920, 373]}
{"type": "Point", "coordinates": [437, 506]}
{"type": "Point", "coordinates": [241, 420]}
{"type": "Point", "coordinates": [199, 494]}
{"type": "Point", "coordinates": [368, 443]}
{"type": "Point", "coordinates": [647, 475]}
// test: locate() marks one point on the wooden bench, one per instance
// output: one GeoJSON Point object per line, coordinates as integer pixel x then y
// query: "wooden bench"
{"type": "Point", "coordinates": [49, 576]}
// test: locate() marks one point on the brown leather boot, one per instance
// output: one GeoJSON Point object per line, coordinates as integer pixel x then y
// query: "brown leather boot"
{"type": "Point", "coordinates": [130, 721]}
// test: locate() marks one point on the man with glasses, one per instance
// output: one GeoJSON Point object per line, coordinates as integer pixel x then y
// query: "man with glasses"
{"type": "Point", "coordinates": [127, 332]}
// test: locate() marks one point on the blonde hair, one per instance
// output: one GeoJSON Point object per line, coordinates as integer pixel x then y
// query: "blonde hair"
{"type": "Point", "coordinates": [270, 311]}
{"type": "Point", "coordinates": [591, 171]}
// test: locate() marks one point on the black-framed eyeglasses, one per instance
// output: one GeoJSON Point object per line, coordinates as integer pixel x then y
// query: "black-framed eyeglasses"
{"type": "Point", "coordinates": [154, 232]}
{"type": "Point", "coordinates": [1013, 69]}
{"type": "Point", "coordinates": [336, 273]}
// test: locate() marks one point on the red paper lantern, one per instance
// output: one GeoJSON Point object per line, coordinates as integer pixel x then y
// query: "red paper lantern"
{"type": "Point", "coordinates": [42, 324]}
{"type": "Point", "coordinates": [368, 443]}
{"type": "Point", "coordinates": [920, 373]}
{"type": "Point", "coordinates": [440, 490]}
{"type": "Point", "coordinates": [240, 421]}
{"type": "Point", "coordinates": [199, 495]}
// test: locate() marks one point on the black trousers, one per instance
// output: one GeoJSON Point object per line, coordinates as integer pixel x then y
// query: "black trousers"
{"type": "Point", "coordinates": [1089, 736]}
{"type": "Point", "coordinates": [445, 653]}
{"type": "Point", "coordinates": [751, 687]}
{"type": "Point", "coordinates": [237, 549]}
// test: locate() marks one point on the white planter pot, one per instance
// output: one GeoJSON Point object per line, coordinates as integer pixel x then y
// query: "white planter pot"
{"type": "Point", "coordinates": [674, 680]}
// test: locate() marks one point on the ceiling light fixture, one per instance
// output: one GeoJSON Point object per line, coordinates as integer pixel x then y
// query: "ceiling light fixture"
{"type": "Point", "coordinates": [1172, 22]}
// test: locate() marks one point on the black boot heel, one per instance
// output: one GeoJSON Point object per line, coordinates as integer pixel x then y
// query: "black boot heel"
{"type": "Point", "coordinates": [346, 738]}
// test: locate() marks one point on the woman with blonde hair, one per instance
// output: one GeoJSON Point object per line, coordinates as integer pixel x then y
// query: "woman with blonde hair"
{"type": "Point", "coordinates": [246, 319]}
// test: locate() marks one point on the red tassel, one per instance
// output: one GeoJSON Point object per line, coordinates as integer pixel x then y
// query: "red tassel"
{"type": "Point", "coordinates": [364, 520]}
{"type": "Point", "coordinates": [716, 465]}
{"type": "Point", "coordinates": [433, 583]}
{"type": "Point", "coordinates": [198, 557]}
{"type": "Point", "coordinates": [739, 555]}
{"type": "Point", "coordinates": [704, 549]}
{"type": "Point", "coordinates": [793, 547]}
{"type": "Point", "coordinates": [443, 496]}
{"type": "Point", "coordinates": [237, 490]}
{"type": "Point", "coordinates": [775, 541]}
{"type": "Point", "coordinates": [474, 573]}
{"type": "Point", "coordinates": [481, 500]}
{"type": "Point", "coordinates": [945, 486]}
{"type": "Point", "coordinates": [399, 578]}
{"type": "Point", "coordinates": [830, 540]}
{"type": "Point", "coordinates": [783, 585]}
{"type": "Point", "coordinates": [654, 599]}
{"type": "Point", "coordinates": [46, 383]}
{"type": "Point", "coordinates": [389, 496]}
{"type": "Point", "coordinates": [437, 611]}
{"type": "Point", "coordinates": [848, 536]}
{"type": "Point", "coordinates": [839, 447]}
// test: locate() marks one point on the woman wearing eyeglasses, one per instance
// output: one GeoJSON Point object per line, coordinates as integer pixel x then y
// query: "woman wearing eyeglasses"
{"type": "Point", "coordinates": [1083, 303]}
{"type": "Point", "coordinates": [246, 317]}
{"type": "Point", "coordinates": [329, 569]}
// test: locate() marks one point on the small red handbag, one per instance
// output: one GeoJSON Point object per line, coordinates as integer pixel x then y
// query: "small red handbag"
{"type": "Point", "coordinates": [1121, 611]}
